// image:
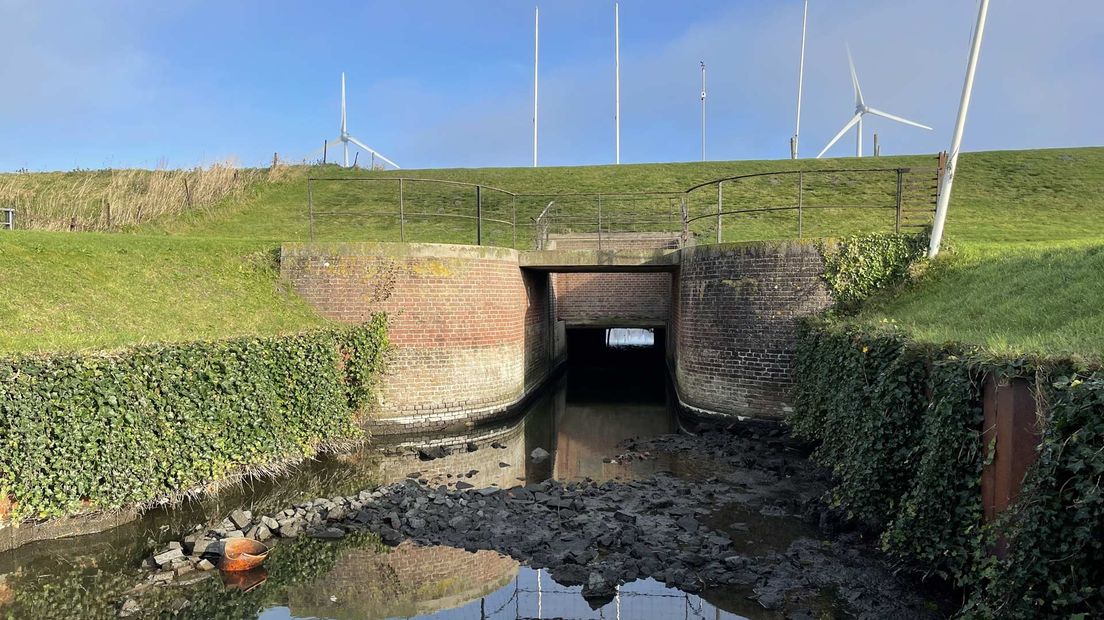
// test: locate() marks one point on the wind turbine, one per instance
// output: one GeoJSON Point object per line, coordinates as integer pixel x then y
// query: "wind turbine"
{"type": "Point", "coordinates": [861, 109]}
{"type": "Point", "coordinates": [345, 138]}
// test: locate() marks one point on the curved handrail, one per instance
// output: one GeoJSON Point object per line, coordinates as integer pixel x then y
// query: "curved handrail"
{"type": "Point", "coordinates": [784, 172]}
{"type": "Point", "coordinates": [417, 180]}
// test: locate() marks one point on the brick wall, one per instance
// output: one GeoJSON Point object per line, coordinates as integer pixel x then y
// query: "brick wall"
{"type": "Point", "coordinates": [474, 333]}
{"type": "Point", "coordinates": [735, 323]}
{"type": "Point", "coordinates": [471, 332]}
{"type": "Point", "coordinates": [612, 299]}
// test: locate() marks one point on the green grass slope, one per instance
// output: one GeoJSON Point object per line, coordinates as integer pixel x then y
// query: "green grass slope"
{"type": "Point", "coordinates": [1005, 196]}
{"type": "Point", "coordinates": [1043, 297]}
{"type": "Point", "coordinates": [204, 272]}
{"type": "Point", "coordinates": [62, 291]}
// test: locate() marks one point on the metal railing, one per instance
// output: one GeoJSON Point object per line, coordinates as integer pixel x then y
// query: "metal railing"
{"type": "Point", "coordinates": [765, 205]}
{"type": "Point", "coordinates": [904, 193]}
{"type": "Point", "coordinates": [403, 215]}
{"type": "Point", "coordinates": [8, 220]}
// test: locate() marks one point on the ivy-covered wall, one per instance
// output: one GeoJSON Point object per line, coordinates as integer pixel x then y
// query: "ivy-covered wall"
{"type": "Point", "coordinates": [95, 431]}
{"type": "Point", "coordinates": [900, 425]}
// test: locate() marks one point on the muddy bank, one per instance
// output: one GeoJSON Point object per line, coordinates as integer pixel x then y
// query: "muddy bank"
{"type": "Point", "coordinates": [740, 519]}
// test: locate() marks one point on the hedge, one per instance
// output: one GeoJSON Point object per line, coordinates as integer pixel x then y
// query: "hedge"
{"type": "Point", "coordinates": [89, 431]}
{"type": "Point", "coordinates": [899, 424]}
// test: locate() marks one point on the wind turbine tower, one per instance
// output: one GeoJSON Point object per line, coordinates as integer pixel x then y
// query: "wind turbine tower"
{"type": "Point", "coordinates": [345, 138]}
{"type": "Point", "coordinates": [861, 110]}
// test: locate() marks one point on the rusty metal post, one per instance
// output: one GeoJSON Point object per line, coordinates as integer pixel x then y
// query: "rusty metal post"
{"type": "Point", "coordinates": [402, 214]}
{"type": "Point", "coordinates": [310, 208]}
{"type": "Point", "coordinates": [1011, 428]}
{"type": "Point", "coordinates": [720, 201]}
{"type": "Point", "coordinates": [900, 184]}
{"type": "Point", "coordinates": [800, 190]}
{"type": "Point", "coordinates": [478, 215]}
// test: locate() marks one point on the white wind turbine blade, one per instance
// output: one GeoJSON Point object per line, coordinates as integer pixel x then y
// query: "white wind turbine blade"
{"type": "Point", "coordinates": [851, 123]}
{"type": "Point", "coordinates": [854, 79]}
{"type": "Point", "coordinates": [372, 151]}
{"type": "Point", "coordinates": [894, 117]}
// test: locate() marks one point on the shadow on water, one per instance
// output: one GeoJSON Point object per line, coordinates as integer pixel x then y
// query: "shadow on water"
{"type": "Point", "coordinates": [607, 395]}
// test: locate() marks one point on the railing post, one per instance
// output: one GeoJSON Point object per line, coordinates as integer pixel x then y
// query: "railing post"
{"type": "Point", "coordinates": [900, 180]}
{"type": "Point", "coordinates": [478, 215]}
{"type": "Point", "coordinates": [800, 189]}
{"type": "Point", "coordinates": [599, 222]}
{"type": "Point", "coordinates": [513, 203]}
{"type": "Point", "coordinates": [685, 220]}
{"type": "Point", "coordinates": [310, 208]}
{"type": "Point", "coordinates": [720, 201]}
{"type": "Point", "coordinates": [402, 213]}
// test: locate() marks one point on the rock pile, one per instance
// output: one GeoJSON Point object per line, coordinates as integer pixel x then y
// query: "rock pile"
{"type": "Point", "coordinates": [600, 535]}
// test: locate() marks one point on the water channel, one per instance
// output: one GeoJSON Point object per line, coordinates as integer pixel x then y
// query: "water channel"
{"type": "Point", "coordinates": [584, 420]}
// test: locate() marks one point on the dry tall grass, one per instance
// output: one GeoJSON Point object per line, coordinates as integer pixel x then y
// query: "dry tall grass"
{"type": "Point", "coordinates": [106, 200]}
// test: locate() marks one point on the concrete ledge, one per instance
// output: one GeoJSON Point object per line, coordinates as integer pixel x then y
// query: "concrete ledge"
{"type": "Point", "coordinates": [12, 536]}
{"type": "Point", "coordinates": [599, 260]}
{"type": "Point", "coordinates": [457, 420]}
{"type": "Point", "coordinates": [398, 250]}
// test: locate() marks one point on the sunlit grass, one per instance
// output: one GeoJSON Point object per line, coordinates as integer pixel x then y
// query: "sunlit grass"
{"type": "Point", "coordinates": [62, 291]}
{"type": "Point", "coordinates": [1010, 298]}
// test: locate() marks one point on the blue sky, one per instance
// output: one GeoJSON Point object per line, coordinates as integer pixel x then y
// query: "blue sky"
{"type": "Point", "coordinates": [449, 83]}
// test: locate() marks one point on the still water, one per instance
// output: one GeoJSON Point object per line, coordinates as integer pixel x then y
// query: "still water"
{"type": "Point", "coordinates": [580, 421]}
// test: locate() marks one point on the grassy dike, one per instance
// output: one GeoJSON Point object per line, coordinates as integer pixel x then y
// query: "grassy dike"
{"type": "Point", "coordinates": [67, 292]}
{"type": "Point", "coordinates": [893, 396]}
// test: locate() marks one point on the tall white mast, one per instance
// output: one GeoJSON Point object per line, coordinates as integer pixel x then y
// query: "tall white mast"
{"type": "Point", "coordinates": [536, 66]}
{"type": "Point", "coordinates": [703, 110]}
{"type": "Point", "coordinates": [956, 141]}
{"type": "Point", "coordinates": [344, 128]}
{"type": "Point", "coordinates": [617, 81]}
{"type": "Point", "coordinates": [800, 81]}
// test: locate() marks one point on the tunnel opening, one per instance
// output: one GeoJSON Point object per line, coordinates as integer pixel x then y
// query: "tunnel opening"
{"type": "Point", "coordinates": [617, 363]}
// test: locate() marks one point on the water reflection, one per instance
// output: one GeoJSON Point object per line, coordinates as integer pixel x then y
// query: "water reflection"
{"type": "Point", "coordinates": [532, 594]}
{"type": "Point", "coordinates": [579, 421]}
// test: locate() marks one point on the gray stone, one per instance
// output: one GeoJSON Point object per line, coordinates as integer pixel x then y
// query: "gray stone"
{"type": "Point", "coordinates": [624, 517]}
{"type": "Point", "coordinates": [432, 453]}
{"type": "Point", "coordinates": [129, 608]}
{"type": "Point", "coordinates": [205, 565]}
{"type": "Point", "coordinates": [204, 546]}
{"type": "Point", "coordinates": [330, 533]}
{"type": "Point", "coordinates": [166, 557]}
{"type": "Point", "coordinates": [270, 523]}
{"type": "Point", "coordinates": [539, 455]}
{"type": "Point", "coordinates": [241, 519]}
{"type": "Point", "coordinates": [460, 523]}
